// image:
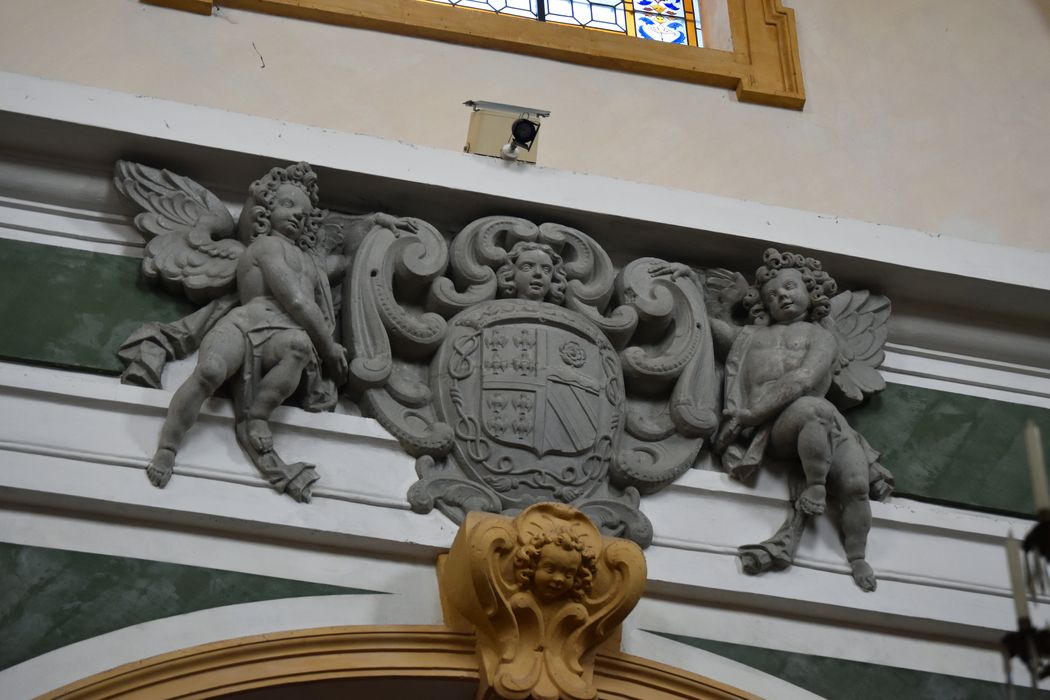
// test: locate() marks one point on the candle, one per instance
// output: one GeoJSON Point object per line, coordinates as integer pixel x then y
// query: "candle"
{"type": "Point", "coordinates": [1013, 557]}
{"type": "Point", "coordinates": [1037, 467]}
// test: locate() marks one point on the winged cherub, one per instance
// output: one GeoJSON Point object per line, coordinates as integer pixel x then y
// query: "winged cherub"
{"type": "Point", "coordinates": [279, 333]}
{"type": "Point", "coordinates": [778, 372]}
{"type": "Point", "coordinates": [803, 343]}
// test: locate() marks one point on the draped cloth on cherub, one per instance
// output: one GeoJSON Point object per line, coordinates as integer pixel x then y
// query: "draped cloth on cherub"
{"type": "Point", "coordinates": [153, 345]}
{"type": "Point", "coordinates": [743, 460]}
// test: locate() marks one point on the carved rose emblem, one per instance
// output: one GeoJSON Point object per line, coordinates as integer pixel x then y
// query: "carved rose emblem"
{"type": "Point", "coordinates": [572, 354]}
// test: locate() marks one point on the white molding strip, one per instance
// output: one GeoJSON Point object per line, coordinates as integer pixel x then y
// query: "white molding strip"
{"type": "Point", "coordinates": [80, 443]}
{"type": "Point", "coordinates": [963, 374]}
{"type": "Point", "coordinates": [55, 225]}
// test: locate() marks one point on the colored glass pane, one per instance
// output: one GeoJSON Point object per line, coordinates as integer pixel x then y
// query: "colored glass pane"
{"type": "Point", "coordinates": [668, 21]}
{"type": "Point", "coordinates": [666, 28]}
{"type": "Point", "coordinates": [660, 7]}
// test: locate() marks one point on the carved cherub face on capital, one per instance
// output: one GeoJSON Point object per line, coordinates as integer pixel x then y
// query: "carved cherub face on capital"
{"type": "Point", "coordinates": [533, 271]}
{"type": "Point", "coordinates": [555, 572]}
{"type": "Point", "coordinates": [555, 566]}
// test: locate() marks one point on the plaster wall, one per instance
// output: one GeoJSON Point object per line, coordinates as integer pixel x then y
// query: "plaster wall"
{"type": "Point", "coordinates": [925, 115]}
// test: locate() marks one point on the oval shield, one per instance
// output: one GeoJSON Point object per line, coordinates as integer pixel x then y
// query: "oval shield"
{"type": "Point", "coordinates": [534, 395]}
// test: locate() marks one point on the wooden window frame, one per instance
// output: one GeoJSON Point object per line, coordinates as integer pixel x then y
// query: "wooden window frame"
{"type": "Point", "coordinates": [763, 66]}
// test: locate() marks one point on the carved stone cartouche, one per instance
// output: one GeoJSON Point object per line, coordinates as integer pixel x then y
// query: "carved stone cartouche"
{"type": "Point", "coordinates": [542, 592]}
{"type": "Point", "coordinates": [519, 367]}
{"type": "Point", "coordinates": [513, 361]}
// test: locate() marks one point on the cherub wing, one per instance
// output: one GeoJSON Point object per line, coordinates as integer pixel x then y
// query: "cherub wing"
{"type": "Point", "coordinates": [859, 322]}
{"type": "Point", "coordinates": [190, 248]}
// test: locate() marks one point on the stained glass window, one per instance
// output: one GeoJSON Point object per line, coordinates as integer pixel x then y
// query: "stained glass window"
{"type": "Point", "coordinates": [669, 21]}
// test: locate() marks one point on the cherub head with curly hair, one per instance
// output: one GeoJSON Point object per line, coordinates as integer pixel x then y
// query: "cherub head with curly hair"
{"type": "Point", "coordinates": [555, 565]}
{"type": "Point", "coordinates": [533, 271]}
{"type": "Point", "coordinates": [789, 287]}
{"type": "Point", "coordinates": [284, 201]}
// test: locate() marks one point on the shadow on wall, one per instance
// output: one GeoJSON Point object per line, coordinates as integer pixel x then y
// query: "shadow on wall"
{"type": "Point", "coordinates": [1044, 9]}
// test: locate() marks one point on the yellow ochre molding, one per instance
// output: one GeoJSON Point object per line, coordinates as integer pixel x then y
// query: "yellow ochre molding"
{"type": "Point", "coordinates": [543, 593]}
{"type": "Point", "coordinates": [763, 67]}
{"type": "Point", "coordinates": [332, 653]}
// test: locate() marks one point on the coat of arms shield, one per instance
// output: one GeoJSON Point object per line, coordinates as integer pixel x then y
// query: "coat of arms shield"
{"type": "Point", "coordinates": [534, 395]}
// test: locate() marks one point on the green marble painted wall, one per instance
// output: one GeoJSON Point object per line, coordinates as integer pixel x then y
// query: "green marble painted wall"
{"type": "Point", "coordinates": [51, 597]}
{"type": "Point", "coordinates": [953, 448]}
{"type": "Point", "coordinates": [837, 679]}
{"type": "Point", "coordinates": [73, 308]}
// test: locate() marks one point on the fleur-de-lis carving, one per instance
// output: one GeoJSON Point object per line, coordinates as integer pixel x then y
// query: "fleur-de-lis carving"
{"type": "Point", "coordinates": [523, 402]}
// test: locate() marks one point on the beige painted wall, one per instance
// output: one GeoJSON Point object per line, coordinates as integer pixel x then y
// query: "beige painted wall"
{"type": "Point", "coordinates": [933, 115]}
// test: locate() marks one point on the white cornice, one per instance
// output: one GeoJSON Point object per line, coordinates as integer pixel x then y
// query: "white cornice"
{"type": "Point", "coordinates": [230, 131]}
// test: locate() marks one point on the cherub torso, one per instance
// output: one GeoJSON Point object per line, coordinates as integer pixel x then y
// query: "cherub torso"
{"type": "Point", "coordinates": [779, 349]}
{"type": "Point", "coordinates": [251, 283]}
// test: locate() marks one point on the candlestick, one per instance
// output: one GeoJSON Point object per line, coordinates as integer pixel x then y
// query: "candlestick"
{"type": "Point", "coordinates": [1013, 557]}
{"type": "Point", "coordinates": [1037, 467]}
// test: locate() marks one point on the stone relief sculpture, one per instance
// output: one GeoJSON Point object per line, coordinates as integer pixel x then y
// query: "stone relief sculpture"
{"type": "Point", "coordinates": [803, 355]}
{"type": "Point", "coordinates": [512, 360]}
{"type": "Point", "coordinates": [542, 592]}
{"type": "Point", "coordinates": [268, 324]}
{"type": "Point", "coordinates": [519, 367]}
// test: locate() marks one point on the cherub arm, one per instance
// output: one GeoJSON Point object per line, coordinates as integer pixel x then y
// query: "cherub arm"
{"type": "Point", "coordinates": [336, 265]}
{"type": "Point", "coordinates": [723, 334]}
{"type": "Point", "coordinates": [280, 280]}
{"type": "Point", "coordinates": [815, 370]}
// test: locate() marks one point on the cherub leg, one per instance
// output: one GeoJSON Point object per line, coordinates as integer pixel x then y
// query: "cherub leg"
{"type": "Point", "coordinates": [849, 480]}
{"type": "Point", "coordinates": [221, 354]}
{"type": "Point", "coordinates": [286, 355]}
{"type": "Point", "coordinates": [810, 425]}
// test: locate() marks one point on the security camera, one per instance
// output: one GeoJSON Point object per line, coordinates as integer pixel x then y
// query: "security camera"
{"type": "Point", "coordinates": [522, 133]}
{"type": "Point", "coordinates": [490, 122]}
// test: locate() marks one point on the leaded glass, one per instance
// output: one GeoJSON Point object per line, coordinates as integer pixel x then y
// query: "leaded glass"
{"type": "Point", "coordinates": [518, 8]}
{"type": "Point", "coordinates": [602, 14]}
{"type": "Point", "coordinates": [660, 7]}
{"type": "Point", "coordinates": [668, 29]}
{"type": "Point", "coordinates": [668, 21]}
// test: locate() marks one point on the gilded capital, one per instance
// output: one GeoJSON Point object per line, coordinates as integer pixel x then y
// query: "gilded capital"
{"type": "Point", "coordinates": [542, 592]}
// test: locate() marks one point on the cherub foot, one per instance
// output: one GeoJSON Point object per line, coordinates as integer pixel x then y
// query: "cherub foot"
{"type": "Point", "coordinates": [300, 487]}
{"type": "Point", "coordinates": [813, 500]}
{"type": "Point", "coordinates": [160, 467]}
{"type": "Point", "coordinates": [259, 435]}
{"type": "Point", "coordinates": [863, 575]}
{"type": "Point", "coordinates": [754, 559]}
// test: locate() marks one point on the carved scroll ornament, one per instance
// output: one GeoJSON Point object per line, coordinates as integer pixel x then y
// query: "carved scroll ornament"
{"type": "Point", "coordinates": [512, 360]}
{"type": "Point", "coordinates": [542, 592]}
{"type": "Point", "coordinates": [519, 366]}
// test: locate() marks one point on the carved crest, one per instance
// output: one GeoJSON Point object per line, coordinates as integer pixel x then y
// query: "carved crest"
{"type": "Point", "coordinates": [519, 367]}
{"type": "Point", "coordinates": [534, 394]}
{"type": "Point", "coordinates": [542, 592]}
